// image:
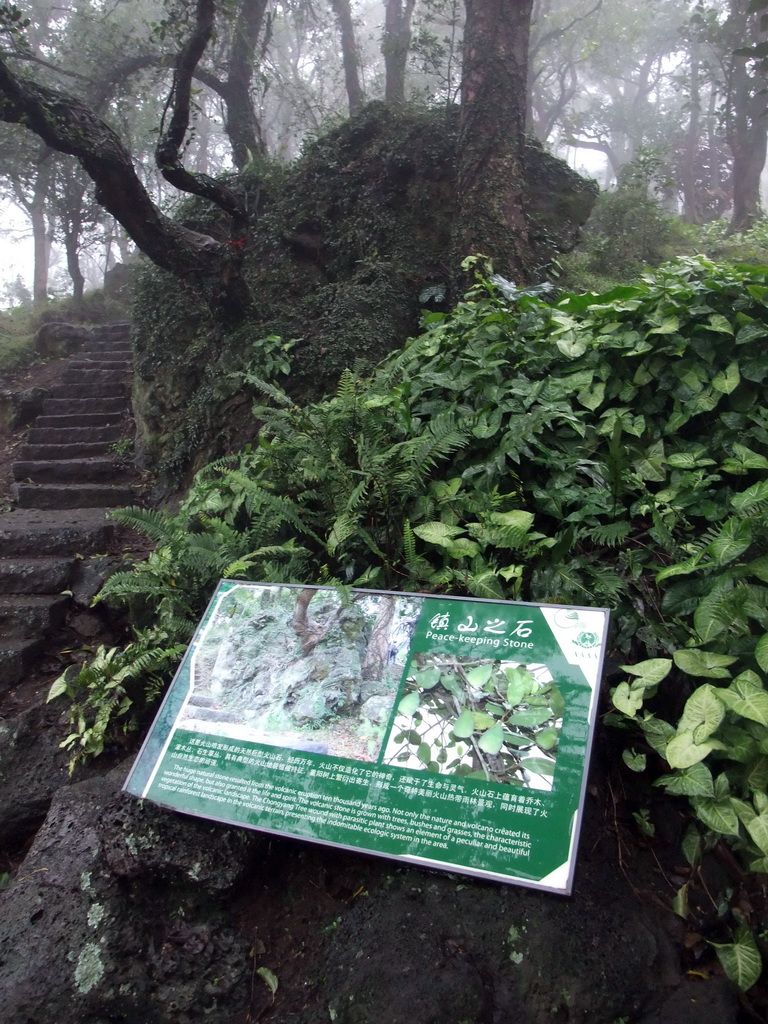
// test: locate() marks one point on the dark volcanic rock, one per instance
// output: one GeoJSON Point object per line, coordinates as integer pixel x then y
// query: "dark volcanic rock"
{"type": "Point", "coordinates": [114, 916]}
{"type": "Point", "coordinates": [32, 767]}
{"type": "Point", "coordinates": [126, 912]}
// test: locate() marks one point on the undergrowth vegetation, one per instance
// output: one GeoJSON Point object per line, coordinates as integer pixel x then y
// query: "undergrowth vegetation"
{"type": "Point", "coordinates": [603, 449]}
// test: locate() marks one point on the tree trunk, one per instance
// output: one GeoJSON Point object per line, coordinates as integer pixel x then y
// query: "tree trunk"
{"type": "Point", "coordinates": [491, 180]}
{"type": "Point", "coordinates": [747, 121]}
{"type": "Point", "coordinates": [349, 55]}
{"type": "Point", "coordinates": [39, 227]}
{"type": "Point", "coordinates": [73, 266]}
{"type": "Point", "coordinates": [240, 122]}
{"type": "Point", "coordinates": [377, 651]}
{"type": "Point", "coordinates": [395, 45]}
{"type": "Point", "coordinates": [690, 175]}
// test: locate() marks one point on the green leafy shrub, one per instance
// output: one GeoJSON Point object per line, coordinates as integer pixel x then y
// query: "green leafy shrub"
{"type": "Point", "coordinates": [606, 449]}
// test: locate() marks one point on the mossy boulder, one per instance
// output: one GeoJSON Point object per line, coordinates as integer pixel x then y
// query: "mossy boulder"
{"type": "Point", "coordinates": [347, 246]}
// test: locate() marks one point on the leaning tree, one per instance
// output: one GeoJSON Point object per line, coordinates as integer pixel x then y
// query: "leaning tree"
{"type": "Point", "coordinates": [490, 190]}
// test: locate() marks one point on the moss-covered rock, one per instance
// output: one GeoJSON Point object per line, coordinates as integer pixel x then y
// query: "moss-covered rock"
{"type": "Point", "coordinates": [345, 247]}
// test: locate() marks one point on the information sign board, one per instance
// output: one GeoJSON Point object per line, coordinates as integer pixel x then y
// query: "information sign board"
{"type": "Point", "coordinates": [448, 732]}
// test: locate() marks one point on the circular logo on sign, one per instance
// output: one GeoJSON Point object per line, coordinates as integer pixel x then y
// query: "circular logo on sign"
{"type": "Point", "coordinates": [587, 639]}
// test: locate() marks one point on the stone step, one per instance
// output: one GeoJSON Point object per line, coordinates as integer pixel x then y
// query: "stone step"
{"type": "Point", "coordinates": [123, 327]}
{"type": "Point", "coordinates": [34, 575]}
{"type": "Point", "coordinates": [119, 350]}
{"type": "Point", "coordinates": [70, 496]}
{"type": "Point", "coordinates": [65, 406]}
{"type": "Point", "coordinates": [23, 615]}
{"type": "Point", "coordinates": [75, 435]}
{"type": "Point", "coordinates": [46, 452]}
{"type": "Point", "coordinates": [84, 531]}
{"type": "Point", "coordinates": [83, 419]}
{"type": "Point", "coordinates": [107, 389]}
{"type": "Point", "coordinates": [66, 471]}
{"type": "Point", "coordinates": [102, 362]}
{"type": "Point", "coordinates": [17, 657]}
{"type": "Point", "coordinates": [90, 376]}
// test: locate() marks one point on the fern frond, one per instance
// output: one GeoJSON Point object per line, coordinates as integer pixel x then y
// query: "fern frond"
{"type": "Point", "coordinates": [609, 535]}
{"type": "Point", "coordinates": [159, 526]}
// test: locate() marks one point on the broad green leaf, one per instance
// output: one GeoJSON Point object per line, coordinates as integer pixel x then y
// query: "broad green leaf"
{"type": "Point", "coordinates": [269, 978]}
{"type": "Point", "coordinates": [761, 652]}
{"type": "Point", "coordinates": [464, 725]}
{"type": "Point", "coordinates": [487, 425]}
{"type": "Point", "coordinates": [670, 325]}
{"type": "Point", "coordinates": [740, 745]}
{"type": "Point", "coordinates": [440, 534]}
{"type": "Point", "coordinates": [692, 846]}
{"type": "Point", "coordinates": [462, 547]}
{"type": "Point", "coordinates": [519, 684]}
{"type": "Point", "coordinates": [759, 567]}
{"type": "Point", "coordinates": [689, 460]}
{"type": "Point", "coordinates": [517, 739]}
{"type": "Point", "coordinates": [450, 683]}
{"type": "Point", "coordinates": [683, 752]}
{"type": "Point", "coordinates": [682, 568]}
{"type": "Point", "coordinates": [556, 702]}
{"type": "Point", "coordinates": [409, 704]}
{"type": "Point", "coordinates": [747, 698]}
{"type": "Point", "coordinates": [479, 676]}
{"type": "Point", "coordinates": [719, 815]}
{"type": "Point", "coordinates": [516, 520]}
{"type": "Point", "coordinates": [743, 460]}
{"type": "Point", "coordinates": [486, 584]}
{"type": "Point", "coordinates": [657, 732]}
{"type": "Point", "coordinates": [628, 700]}
{"type": "Point", "coordinates": [693, 781]}
{"type": "Point", "coordinates": [751, 332]}
{"type": "Point", "coordinates": [704, 664]}
{"type": "Point", "coordinates": [482, 721]}
{"type": "Point", "coordinates": [758, 830]}
{"type": "Point", "coordinates": [424, 752]}
{"type": "Point", "coordinates": [634, 761]}
{"type": "Point", "coordinates": [722, 787]}
{"type": "Point", "coordinates": [539, 766]}
{"type": "Point", "coordinates": [427, 678]}
{"type": "Point", "coordinates": [727, 380]}
{"type": "Point", "coordinates": [492, 741]}
{"type": "Point", "coordinates": [649, 672]}
{"type": "Point", "coordinates": [717, 322]}
{"type": "Point", "coordinates": [712, 616]}
{"type": "Point", "coordinates": [703, 712]}
{"type": "Point", "coordinates": [572, 345]}
{"type": "Point", "coordinates": [740, 959]}
{"type": "Point", "coordinates": [58, 687]}
{"type": "Point", "coordinates": [755, 495]}
{"type": "Point", "coordinates": [592, 398]}
{"type": "Point", "coordinates": [547, 738]}
{"type": "Point", "coordinates": [733, 539]}
{"type": "Point", "coordinates": [744, 811]}
{"type": "Point", "coordinates": [531, 719]}
{"type": "Point", "coordinates": [680, 902]}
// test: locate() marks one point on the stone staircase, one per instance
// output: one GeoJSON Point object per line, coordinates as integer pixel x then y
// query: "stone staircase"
{"type": "Point", "coordinates": [67, 477]}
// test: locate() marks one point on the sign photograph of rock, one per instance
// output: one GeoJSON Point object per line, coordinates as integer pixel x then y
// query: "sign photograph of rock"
{"type": "Point", "coordinates": [301, 668]}
{"type": "Point", "coordinates": [448, 732]}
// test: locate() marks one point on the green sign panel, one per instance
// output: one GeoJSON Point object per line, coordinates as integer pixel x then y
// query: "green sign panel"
{"type": "Point", "coordinates": [449, 732]}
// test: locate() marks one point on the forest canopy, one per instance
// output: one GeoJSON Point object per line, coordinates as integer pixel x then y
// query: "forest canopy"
{"type": "Point", "coordinates": [183, 91]}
